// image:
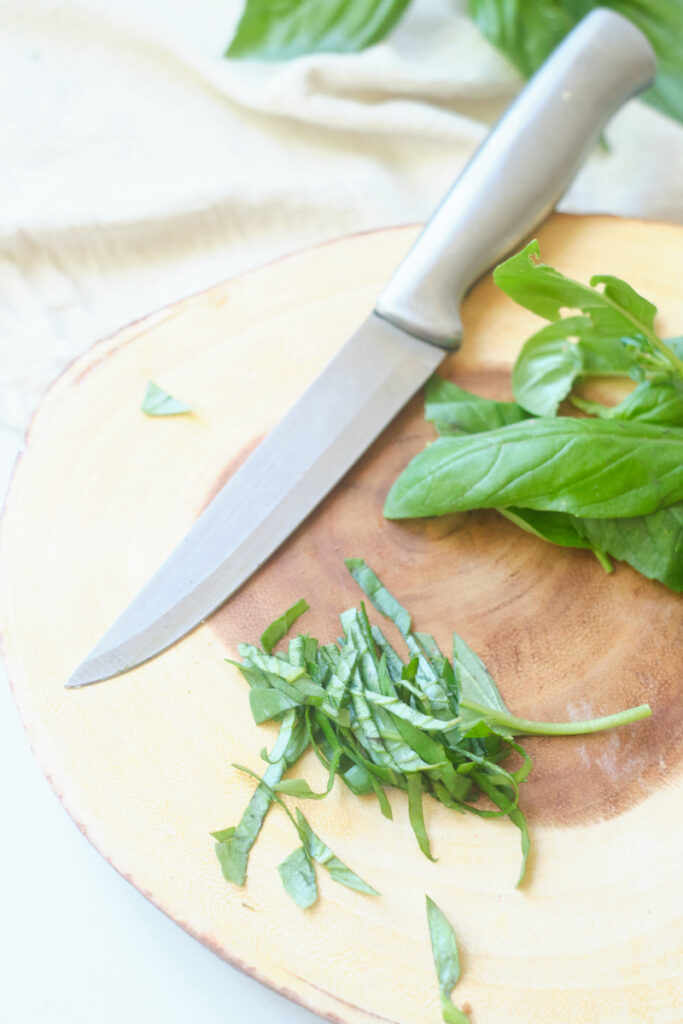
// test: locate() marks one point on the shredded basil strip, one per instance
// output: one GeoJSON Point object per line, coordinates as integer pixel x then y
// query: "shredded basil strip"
{"type": "Point", "coordinates": [158, 402]}
{"type": "Point", "coordinates": [446, 961]}
{"type": "Point", "coordinates": [272, 635]}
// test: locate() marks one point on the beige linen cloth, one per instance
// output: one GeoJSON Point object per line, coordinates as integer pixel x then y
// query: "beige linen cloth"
{"type": "Point", "coordinates": [138, 165]}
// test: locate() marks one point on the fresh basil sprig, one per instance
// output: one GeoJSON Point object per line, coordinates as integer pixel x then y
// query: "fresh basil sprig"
{"type": "Point", "coordinates": [615, 336]}
{"type": "Point", "coordinates": [572, 482]}
{"type": "Point", "coordinates": [425, 724]}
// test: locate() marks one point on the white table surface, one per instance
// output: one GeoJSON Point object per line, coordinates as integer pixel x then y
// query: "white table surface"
{"type": "Point", "coordinates": [78, 943]}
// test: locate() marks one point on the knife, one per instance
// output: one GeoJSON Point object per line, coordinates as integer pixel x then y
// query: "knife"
{"type": "Point", "coordinates": [511, 184]}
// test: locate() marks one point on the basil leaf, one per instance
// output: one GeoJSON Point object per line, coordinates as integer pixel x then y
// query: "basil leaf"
{"type": "Point", "coordinates": [402, 710]}
{"type": "Point", "coordinates": [321, 853]}
{"type": "Point", "coordinates": [233, 851]}
{"type": "Point", "coordinates": [158, 402]}
{"type": "Point", "coordinates": [508, 807]}
{"type": "Point", "coordinates": [476, 685]}
{"type": "Point", "coordinates": [546, 291]}
{"type": "Point", "coordinates": [446, 961]}
{"type": "Point", "coordinates": [652, 401]}
{"type": "Point", "coordinates": [272, 635]}
{"type": "Point", "coordinates": [416, 814]}
{"type": "Point", "coordinates": [298, 877]}
{"type": "Point", "coordinates": [604, 356]}
{"type": "Point", "coordinates": [456, 411]}
{"type": "Point", "coordinates": [267, 704]}
{"type": "Point", "coordinates": [224, 834]}
{"type": "Point", "coordinates": [651, 544]}
{"type": "Point", "coordinates": [299, 787]}
{"type": "Point", "coordinates": [616, 312]}
{"type": "Point", "coordinates": [375, 724]}
{"type": "Point", "coordinates": [282, 29]}
{"type": "Point", "coordinates": [378, 594]}
{"type": "Point", "coordinates": [527, 31]}
{"type": "Point", "coordinates": [555, 527]}
{"type": "Point", "coordinates": [556, 356]}
{"type": "Point", "coordinates": [595, 468]}
{"type": "Point", "coordinates": [667, 94]}
{"type": "Point", "coordinates": [284, 738]}
{"type": "Point", "coordinates": [547, 366]}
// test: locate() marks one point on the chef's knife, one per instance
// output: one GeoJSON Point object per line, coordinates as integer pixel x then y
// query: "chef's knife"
{"type": "Point", "coordinates": [511, 184]}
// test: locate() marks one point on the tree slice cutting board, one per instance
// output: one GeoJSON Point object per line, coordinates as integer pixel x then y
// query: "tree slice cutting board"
{"type": "Point", "coordinates": [143, 762]}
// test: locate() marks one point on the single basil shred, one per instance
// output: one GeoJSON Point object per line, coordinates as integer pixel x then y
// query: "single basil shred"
{"type": "Point", "coordinates": [158, 402]}
{"type": "Point", "coordinates": [446, 962]}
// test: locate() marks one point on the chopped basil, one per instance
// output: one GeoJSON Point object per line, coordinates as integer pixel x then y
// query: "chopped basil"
{"type": "Point", "coordinates": [158, 402]}
{"type": "Point", "coordinates": [430, 726]}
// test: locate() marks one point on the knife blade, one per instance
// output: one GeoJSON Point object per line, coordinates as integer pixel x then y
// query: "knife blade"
{"type": "Point", "coordinates": [510, 185]}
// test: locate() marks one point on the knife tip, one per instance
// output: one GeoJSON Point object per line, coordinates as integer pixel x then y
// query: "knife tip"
{"type": "Point", "coordinates": [78, 678]}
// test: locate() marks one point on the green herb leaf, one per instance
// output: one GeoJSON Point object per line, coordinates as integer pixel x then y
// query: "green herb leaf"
{"type": "Point", "coordinates": [476, 687]}
{"type": "Point", "coordinates": [667, 94]}
{"type": "Point", "coordinates": [508, 807]}
{"type": "Point", "coordinates": [652, 401]}
{"type": "Point", "coordinates": [158, 402]}
{"type": "Point", "coordinates": [282, 29]}
{"type": "Point", "coordinates": [234, 844]}
{"type": "Point", "coordinates": [651, 544]}
{"type": "Point", "coordinates": [416, 814]}
{"type": "Point", "coordinates": [546, 292]}
{"type": "Point", "coordinates": [548, 365]}
{"type": "Point", "coordinates": [233, 851]}
{"type": "Point", "coordinates": [298, 877]}
{"type": "Point", "coordinates": [615, 312]}
{"type": "Point", "coordinates": [321, 853]}
{"type": "Point", "coordinates": [404, 711]}
{"type": "Point", "coordinates": [555, 527]}
{"type": "Point", "coordinates": [267, 704]}
{"type": "Point", "coordinates": [446, 961]}
{"type": "Point", "coordinates": [378, 594]}
{"type": "Point", "coordinates": [272, 635]}
{"type": "Point", "coordinates": [593, 468]}
{"type": "Point", "coordinates": [527, 31]}
{"type": "Point", "coordinates": [456, 411]}
{"type": "Point", "coordinates": [284, 738]}
{"type": "Point", "coordinates": [224, 834]}
{"type": "Point", "coordinates": [300, 789]}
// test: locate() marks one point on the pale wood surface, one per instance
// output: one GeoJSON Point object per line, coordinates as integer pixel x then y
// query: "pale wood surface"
{"type": "Point", "coordinates": [142, 763]}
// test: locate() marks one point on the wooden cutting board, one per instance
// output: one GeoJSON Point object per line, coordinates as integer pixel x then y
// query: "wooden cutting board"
{"type": "Point", "coordinates": [143, 763]}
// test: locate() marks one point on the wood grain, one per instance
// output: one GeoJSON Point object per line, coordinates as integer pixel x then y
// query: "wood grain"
{"type": "Point", "coordinates": [143, 763]}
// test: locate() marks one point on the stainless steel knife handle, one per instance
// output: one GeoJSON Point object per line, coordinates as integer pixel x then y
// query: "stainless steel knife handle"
{"type": "Point", "coordinates": [516, 177]}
